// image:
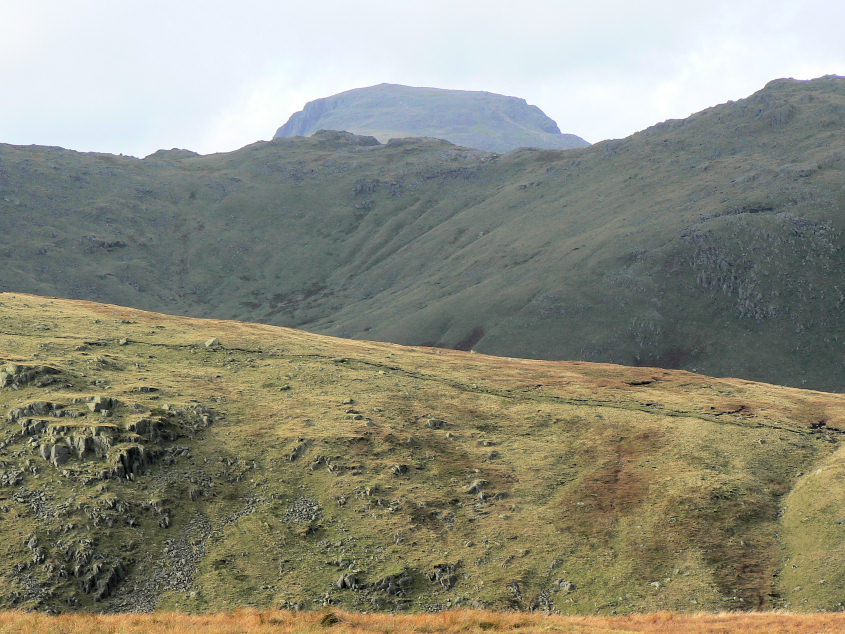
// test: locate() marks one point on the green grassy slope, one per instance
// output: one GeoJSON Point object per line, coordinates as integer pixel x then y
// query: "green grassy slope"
{"type": "Point", "coordinates": [476, 119]}
{"type": "Point", "coordinates": [713, 243]}
{"type": "Point", "coordinates": [149, 461]}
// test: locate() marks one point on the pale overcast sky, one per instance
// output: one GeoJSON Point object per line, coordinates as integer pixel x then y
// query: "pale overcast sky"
{"type": "Point", "coordinates": [133, 76]}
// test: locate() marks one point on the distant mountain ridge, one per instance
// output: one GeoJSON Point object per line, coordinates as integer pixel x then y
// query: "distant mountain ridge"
{"type": "Point", "coordinates": [715, 243]}
{"type": "Point", "coordinates": [476, 119]}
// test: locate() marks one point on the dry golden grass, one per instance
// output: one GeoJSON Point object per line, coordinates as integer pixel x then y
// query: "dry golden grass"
{"type": "Point", "coordinates": [255, 621]}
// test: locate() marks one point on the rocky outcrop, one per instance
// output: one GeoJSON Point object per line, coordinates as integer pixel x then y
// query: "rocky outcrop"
{"type": "Point", "coordinates": [101, 404]}
{"type": "Point", "coordinates": [37, 408]}
{"type": "Point", "coordinates": [101, 445]}
{"type": "Point", "coordinates": [16, 376]}
{"type": "Point", "coordinates": [444, 574]}
{"type": "Point", "coordinates": [395, 585]}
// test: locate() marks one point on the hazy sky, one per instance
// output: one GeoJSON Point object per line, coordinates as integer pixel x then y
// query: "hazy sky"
{"type": "Point", "coordinates": [134, 76]}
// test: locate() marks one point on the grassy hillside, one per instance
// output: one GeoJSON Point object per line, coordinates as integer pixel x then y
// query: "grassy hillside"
{"type": "Point", "coordinates": [712, 244]}
{"type": "Point", "coordinates": [155, 462]}
{"type": "Point", "coordinates": [476, 119]}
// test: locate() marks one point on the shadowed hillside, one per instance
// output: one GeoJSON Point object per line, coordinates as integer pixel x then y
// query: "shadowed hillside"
{"type": "Point", "coordinates": [476, 119]}
{"type": "Point", "coordinates": [712, 243]}
{"type": "Point", "coordinates": [154, 462]}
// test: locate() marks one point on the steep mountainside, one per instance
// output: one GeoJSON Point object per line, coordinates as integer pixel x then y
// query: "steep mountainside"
{"type": "Point", "coordinates": [476, 119]}
{"type": "Point", "coordinates": [149, 461]}
{"type": "Point", "coordinates": [713, 243]}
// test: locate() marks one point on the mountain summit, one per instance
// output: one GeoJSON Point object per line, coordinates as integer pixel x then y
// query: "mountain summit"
{"type": "Point", "coordinates": [477, 119]}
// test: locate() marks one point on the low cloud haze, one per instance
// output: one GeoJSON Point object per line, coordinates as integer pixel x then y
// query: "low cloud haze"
{"type": "Point", "coordinates": [135, 76]}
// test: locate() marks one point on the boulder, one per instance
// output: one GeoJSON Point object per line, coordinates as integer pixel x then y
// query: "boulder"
{"type": "Point", "coordinates": [83, 446]}
{"type": "Point", "coordinates": [476, 487]}
{"type": "Point", "coordinates": [44, 450]}
{"type": "Point", "coordinates": [59, 454]}
{"type": "Point", "coordinates": [444, 574]}
{"type": "Point", "coordinates": [101, 442]}
{"type": "Point", "coordinates": [562, 585]}
{"type": "Point", "coordinates": [38, 408]}
{"type": "Point", "coordinates": [101, 403]}
{"type": "Point", "coordinates": [349, 581]}
{"type": "Point", "coordinates": [41, 408]}
{"type": "Point", "coordinates": [130, 460]}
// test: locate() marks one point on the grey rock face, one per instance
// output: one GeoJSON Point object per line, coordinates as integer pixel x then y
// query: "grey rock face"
{"type": "Point", "coordinates": [59, 455]}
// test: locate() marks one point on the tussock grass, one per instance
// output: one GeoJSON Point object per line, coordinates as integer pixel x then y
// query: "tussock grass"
{"type": "Point", "coordinates": [270, 621]}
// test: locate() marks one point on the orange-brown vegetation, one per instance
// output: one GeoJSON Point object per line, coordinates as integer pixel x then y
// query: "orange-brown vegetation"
{"type": "Point", "coordinates": [254, 621]}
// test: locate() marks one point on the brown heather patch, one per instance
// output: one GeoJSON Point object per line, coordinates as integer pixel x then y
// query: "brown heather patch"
{"type": "Point", "coordinates": [732, 406]}
{"type": "Point", "coordinates": [743, 565]}
{"type": "Point", "coordinates": [614, 488]}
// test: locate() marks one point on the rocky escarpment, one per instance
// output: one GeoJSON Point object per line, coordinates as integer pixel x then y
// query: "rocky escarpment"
{"type": "Point", "coordinates": [92, 445]}
{"type": "Point", "coordinates": [482, 120]}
